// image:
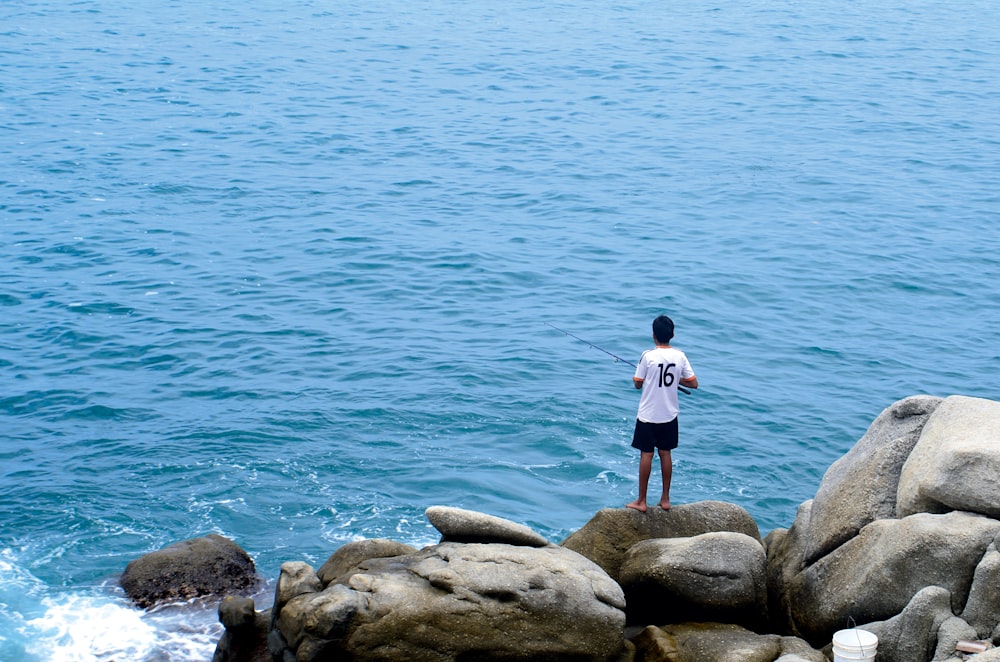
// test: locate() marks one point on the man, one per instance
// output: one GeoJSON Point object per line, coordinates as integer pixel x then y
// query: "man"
{"type": "Point", "coordinates": [659, 371]}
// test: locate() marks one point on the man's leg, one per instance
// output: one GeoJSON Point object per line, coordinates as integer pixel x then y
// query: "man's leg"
{"type": "Point", "coordinates": [645, 468]}
{"type": "Point", "coordinates": [667, 468]}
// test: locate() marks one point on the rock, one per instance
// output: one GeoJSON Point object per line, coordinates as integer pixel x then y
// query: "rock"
{"type": "Point", "coordinates": [714, 577]}
{"type": "Point", "coordinates": [910, 636]}
{"type": "Point", "coordinates": [874, 575]}
{"type": "Point", "coordinates": [652, 644]}
{"type": "Point", "coordinates": [716, 642]}
{"type": "Point", "coordinates": [826, 565]}
{"type": "Point", "coordinates": [211, 565]}
{"type": "Point", "coordinates": [950, 632]}
{"type": "Point", "coordinates": [608, 536]}
{"type": "Point", "coordinates": [245, 638]}
{"type": "Point", "coordinates": [861, 486]}
{"type": "Point", "coordinates": [236, 612]}
{"type": "Point", "coordinates": [460, 601]}
{"type": "Point", "coordinates": [794, 649]}
{"type": "Point", "coordinates": [785, 560]}
{"type": "Point", "coordinates": [351, 554]}
{"type": "Point", "coordinates": [458, 525]}
{"type": "Point", "coordinates": [982, 609]}
{"type": "Point", "coordinates": [315, 624]}
{"type": "Point", "coordinates": [296, 578]}
{"type": "Point", "coordinates": [955, 464]}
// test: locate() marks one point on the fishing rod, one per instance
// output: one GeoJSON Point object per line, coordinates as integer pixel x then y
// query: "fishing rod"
{"type": "Point", "coordinates": [601, 349]}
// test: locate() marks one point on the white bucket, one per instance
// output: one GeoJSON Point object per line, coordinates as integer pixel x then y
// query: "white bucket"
{"type": "Point", "coordinates": [854, 645]}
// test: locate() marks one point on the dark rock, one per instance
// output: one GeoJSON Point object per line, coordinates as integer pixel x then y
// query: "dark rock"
{"type": "Point", "coordinates": [211, 565]}
{"type": "Point", "coordinates": [245, 638]}
{"type": "Point", "coordinates": [237, 612]}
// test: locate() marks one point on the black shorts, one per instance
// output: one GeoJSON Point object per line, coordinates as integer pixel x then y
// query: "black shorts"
{"type": "Point", "coordinates": [662, 436]}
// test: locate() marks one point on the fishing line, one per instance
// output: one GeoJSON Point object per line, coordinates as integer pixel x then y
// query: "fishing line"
{"type": "Point", "coordinates": [601, 349]}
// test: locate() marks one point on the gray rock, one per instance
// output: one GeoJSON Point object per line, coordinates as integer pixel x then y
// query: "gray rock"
{"type": "Point", "coordinates": [460, 601]}
{"type": "Point", "coordinates": [910, 636]}
{"type": "Point", "coordinates": [316, 624]}
{"type": "Point", "coordinates": [713, 577]}
{"type": "Point", "coordinates": [211, 565]}
{"type": "Point", "coordinates": [608, 536]}
{"type": "Point", "coordinates": [794, 649]}
{"type": "Point", "coordinates": [861, 486]}
{"type": "Point", "coordinates": [955, 464]}
{"type": "Point", "coordinates": [458, 525]}
{"type": "Point", "coordinates": [982, 609]}
{"type": "Point", "coordinates": [950, 632]}
{"type": "Point", "coordinates": [874, 575]}
{"type": "Point", "coordinates": [295, 579]}
{"type": "Point", "coordinates": [823, 558]}
{"type": "Point", "coordinates": [717, 642]}
{"type": "Point", "coordinates": [351, 554]}
{"type": "Point", "coordinates": [785, 560]}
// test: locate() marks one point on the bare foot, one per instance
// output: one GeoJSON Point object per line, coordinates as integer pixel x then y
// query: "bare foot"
{"type": "Point", "coordinates": [665, 504]}
{"type": "Point", "coordinates": [637, 505]}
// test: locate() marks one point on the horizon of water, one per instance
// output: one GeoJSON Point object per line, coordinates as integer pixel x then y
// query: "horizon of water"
{"type": "Point", "coordinates": [286, 271]}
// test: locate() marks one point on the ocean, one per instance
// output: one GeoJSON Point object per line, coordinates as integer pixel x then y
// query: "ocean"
{"type": "Point", "coordinates": [286, 271]}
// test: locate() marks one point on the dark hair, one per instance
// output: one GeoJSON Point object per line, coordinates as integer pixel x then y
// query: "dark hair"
{"type": "Point", "coordinates": [663, 329]}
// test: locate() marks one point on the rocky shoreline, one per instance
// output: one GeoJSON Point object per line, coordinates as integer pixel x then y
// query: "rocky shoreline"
{"type": "Point", "coordinates": [902, 539]}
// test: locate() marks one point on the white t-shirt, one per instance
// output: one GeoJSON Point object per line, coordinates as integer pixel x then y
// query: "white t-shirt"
{"type": "Point", "coordinates": [660, 370]}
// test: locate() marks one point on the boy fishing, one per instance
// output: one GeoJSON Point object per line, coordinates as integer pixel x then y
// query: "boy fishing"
{"type": "Point", "coordinates": [659, 372]}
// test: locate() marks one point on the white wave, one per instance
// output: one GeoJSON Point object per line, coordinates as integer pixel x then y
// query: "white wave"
{"type": "Point", "coordinates": [87, 628]}
{"type": "Point", "coordinates": [81, 628]}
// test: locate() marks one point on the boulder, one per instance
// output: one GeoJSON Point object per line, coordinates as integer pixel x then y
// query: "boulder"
{"type": "Point", "coordinates": [950, 632]}
{"type": "Point", "coordinates": [714, 577]}
{"type": "Point", "coordinates": [716, 642]}
{"type": "Point", "coordinates": [608, 536]}
{"type": "Point", "coordinates": [458, 601]}
{"type": "Point", "coordinates": [296, 578]}
{"type": "Point", "coordinates": [785, 560]}
{"type": "Point", "coordinates": [911, 635]}
{"type": "Point", "coordinates": [237, 613]}
{"type": "Point", "coordinates": [211, 565]}
{"type": "Point", "coordinates": [351, 554]}
{"type": "Point", "coordinates": [982, 609]}
{"type": "Point", "coordinates": [861, 486]}
{"type": "Point", "coordinates": [955, 464]}
{"type": "Point", "coordinates": [458, 525]}
{"type": "Point", "coordinates": [876, 574]}
{"type": "Point", "coordinates": [245, 638]}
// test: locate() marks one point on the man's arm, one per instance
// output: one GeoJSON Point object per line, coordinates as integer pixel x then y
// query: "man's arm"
{"type": "Point", "coordinates": [637, 382]}
{"type": "Point", "coordinates": [690, 382]}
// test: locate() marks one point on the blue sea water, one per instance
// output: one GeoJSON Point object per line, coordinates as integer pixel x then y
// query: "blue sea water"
{"type": "Point", "coordinates": [284, 271]}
